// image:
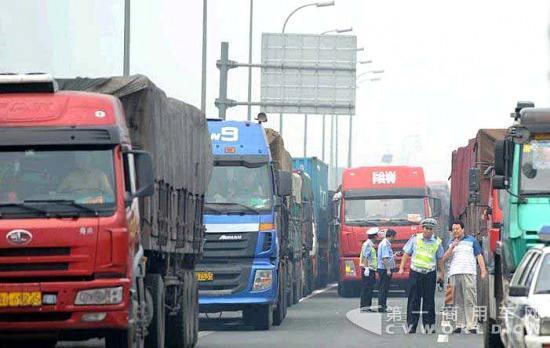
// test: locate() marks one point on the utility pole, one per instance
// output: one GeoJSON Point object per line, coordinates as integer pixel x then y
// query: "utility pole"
{"type": "Point", "coordinates": [249, 117]}
{"type": "Point", "coordinates": [305, 135]}
{"type": "Point", "coordinates": [223, 65]}
{"type": "Point", "coordinates": [349, 139]}
{"type": "Point", "coordinates": [126, 63]}
{"type": "Point", "coordinates": [336, 152]}
{"type": "Point", "coordinates": [203, 76]}
{"type": "Point", "coordinates": [323, 141]}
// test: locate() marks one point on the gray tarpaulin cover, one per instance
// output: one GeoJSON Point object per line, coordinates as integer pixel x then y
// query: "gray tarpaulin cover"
{"type": "Point", "coordinates": [176, 135]}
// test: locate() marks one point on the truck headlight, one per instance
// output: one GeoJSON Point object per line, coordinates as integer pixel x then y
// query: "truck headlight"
{"type": "Point", "coordinates": [263, 279]}
{"type": "Point", "coordinates": [350, 268]}
{"type": "Point", "coordinates": [104, 296]}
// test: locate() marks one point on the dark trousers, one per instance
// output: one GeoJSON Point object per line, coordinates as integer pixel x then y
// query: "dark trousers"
{"type": "Point", "coordinates": [383, 288]}
{"type": "Point", "coordinates": [421, 288]}
{"type": "Point", "coordinates": [367, 285]}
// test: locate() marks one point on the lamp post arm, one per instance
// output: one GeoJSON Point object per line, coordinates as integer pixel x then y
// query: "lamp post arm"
{"type": "Point", "coordinates": [293, 12]}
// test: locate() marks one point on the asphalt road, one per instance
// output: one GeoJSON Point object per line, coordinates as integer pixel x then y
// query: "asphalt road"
{"type": "Point", "coordinates": [323, 320]}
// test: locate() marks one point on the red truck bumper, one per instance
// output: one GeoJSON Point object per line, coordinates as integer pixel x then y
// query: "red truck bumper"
{"type": "Point", "coordinates": [64, 315]}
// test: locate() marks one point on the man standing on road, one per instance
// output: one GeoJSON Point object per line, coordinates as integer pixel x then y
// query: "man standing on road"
{"type": "Point", "coordinates": [368, 261]}
{"type": "Point", "coordinates": [386, 265]}
{"type": "Point", "coordinates": [426, 252]}
{"type": "Point", "coordinates": [463, 252]}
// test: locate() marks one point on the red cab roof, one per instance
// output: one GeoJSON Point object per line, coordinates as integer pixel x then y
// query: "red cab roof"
{"type": "Point", "coordinates": [383, 177]}
{"type": "Point", "coordinates": [65, 108]}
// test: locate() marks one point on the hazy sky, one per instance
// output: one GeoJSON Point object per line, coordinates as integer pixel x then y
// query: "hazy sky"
{"type": "Point", "coordinates": [452, 67]}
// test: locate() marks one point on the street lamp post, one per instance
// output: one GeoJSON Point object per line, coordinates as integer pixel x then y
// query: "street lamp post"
{"type": "Point", "coordinates": [317, 4]}
{"type": "Point", "coordinates": [249, 117]}
{"type": "Point", "coordinates": [203, 75]}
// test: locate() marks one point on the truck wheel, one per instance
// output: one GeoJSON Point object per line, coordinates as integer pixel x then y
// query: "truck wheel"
{"type": "Point", "coordinates": [296, 292]}
{"type": "Point", "coordinates": [264, 317]}
{"type": "Point", "coordinates": [181, 328]}
{"type": "Point", "coordinates": [279, 312]}
{"type": "Point", "coordinates": [157, 327]}
{"type": "Point", "coordinates": [130, 337]}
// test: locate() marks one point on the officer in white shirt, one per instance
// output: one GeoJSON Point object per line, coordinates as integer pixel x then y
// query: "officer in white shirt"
{"type": "Point", "coordinates": [368, 262]}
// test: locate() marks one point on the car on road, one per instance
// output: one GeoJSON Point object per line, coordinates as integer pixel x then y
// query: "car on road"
{"type": "Point", "coordinates": [527, 310]}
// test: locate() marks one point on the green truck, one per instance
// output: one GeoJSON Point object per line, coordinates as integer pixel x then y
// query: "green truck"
{"type": "Point", "coordinates": [521, 180]}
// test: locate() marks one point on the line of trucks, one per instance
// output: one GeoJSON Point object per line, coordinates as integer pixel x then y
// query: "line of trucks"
{"type": "Point", "coordinates": [500, 188]}
{"type": "Point", "coordinates": [124, 213]}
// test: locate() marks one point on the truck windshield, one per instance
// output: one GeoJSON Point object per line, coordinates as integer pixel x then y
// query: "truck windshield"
{"type": "Point", "coordinates": [543, 281]}
{"type": "Point", "coordinates": [56, 182]}
{"type": "Point", "coordinates": [391, 211]}
{"type": "Point", "coordinates": [239, 188]}
{"type": "Point", "coordinates": [535, 168]}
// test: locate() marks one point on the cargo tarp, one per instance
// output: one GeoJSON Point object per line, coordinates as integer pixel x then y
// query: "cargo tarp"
{"type": "Point", "coordinates": [479, 153]}
{"type": "Point", "coordinates": [278, 151]}
{"type": "Point", "coordinates": [176, 135]}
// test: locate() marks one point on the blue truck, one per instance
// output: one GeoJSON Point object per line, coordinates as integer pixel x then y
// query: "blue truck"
{"type": "Point", "coordinates": [242, 268]}
{"type": "Point", "coordinates": [325, 240]}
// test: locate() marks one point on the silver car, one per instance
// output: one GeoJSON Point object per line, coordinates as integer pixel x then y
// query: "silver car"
{"type": "Point", "coordinates": [527, 309]}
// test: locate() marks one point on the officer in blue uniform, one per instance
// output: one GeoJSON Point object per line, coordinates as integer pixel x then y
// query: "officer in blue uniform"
{"type": "Point", "coordinates": [368, 262]}
{"type": "Point", "coordinates": [426, 253]}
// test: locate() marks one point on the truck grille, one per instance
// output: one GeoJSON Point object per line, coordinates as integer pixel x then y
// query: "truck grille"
{"type": "Point", "coordinates": [228, 279]}
{"type": "Point", "coordinates": [18, 267]}
{"type": "Point", "coordinates": [18, 252]}
{"type": "Point", "coordinates": [230, 244]}
{"type": "Point", "coordinates": [268, 238]}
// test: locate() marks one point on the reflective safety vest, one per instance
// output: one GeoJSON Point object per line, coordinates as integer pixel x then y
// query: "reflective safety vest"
{"type": "Point", "coordinates": [424, 255]}
{"type": "Point", "coordinates": [373, 256]}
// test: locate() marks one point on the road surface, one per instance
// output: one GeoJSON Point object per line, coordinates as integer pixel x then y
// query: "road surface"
{"type": "Point", "coordinates": [322, 320]}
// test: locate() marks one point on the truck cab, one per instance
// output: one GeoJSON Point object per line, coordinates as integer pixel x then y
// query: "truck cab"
{"type": "Point", "coordinates": [522, 168]}
{"type": "Point", "coordinates": [241, 261]}
{"type": "Point", "coordinates": [70, 251]}
{"type": "Point", "coordinates": [386, 197]}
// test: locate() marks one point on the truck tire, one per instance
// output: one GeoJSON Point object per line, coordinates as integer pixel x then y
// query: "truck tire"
{"type": "Point", "coordinates": [157, 328]}
{"type": "Point", "coordinates": [279, 311]}
{"type": "Point", "coordinates": [129, 338]}
{"type": "Point", "coordinates": [490, 339]}
{"type": "Point", "coordinates": [182, 329]}
{"type": "Point", "coordinates": [296, 291]}
{"type": "Point", "coordinates": [263, 317]}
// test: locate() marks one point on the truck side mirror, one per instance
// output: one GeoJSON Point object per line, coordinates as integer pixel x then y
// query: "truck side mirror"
{"type": "Point", "coordinates": [145, 177]}
{"type": "Point", "coordinates": [436, 207]}
{"type": "Point", "coordinates": [284, 184]}
{"type": "Point", "coordinates": [504, 154]}
{"type": "Point", "coordinates": [499, 157]}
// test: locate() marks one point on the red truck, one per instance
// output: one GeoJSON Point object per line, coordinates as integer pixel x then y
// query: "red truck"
{"type": "Point", "coordinates": [101, 200]}
{"type": "Point", "coordinates": [386, 197]}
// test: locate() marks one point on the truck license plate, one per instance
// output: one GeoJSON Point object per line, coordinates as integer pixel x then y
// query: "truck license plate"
{"type": "Point", "coordinates": [20, 299]}
{"type": "Point", "coordinates": [205, 276]}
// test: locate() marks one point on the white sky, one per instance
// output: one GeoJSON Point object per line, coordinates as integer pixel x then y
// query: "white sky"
{"type": "Point", "coordinates": [452, 67]}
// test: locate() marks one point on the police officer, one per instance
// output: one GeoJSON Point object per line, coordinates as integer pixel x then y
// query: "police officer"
{"type": "Point", "coordinates": [426, 252]}
{"type": "Point", "coordinates": [368, 261]}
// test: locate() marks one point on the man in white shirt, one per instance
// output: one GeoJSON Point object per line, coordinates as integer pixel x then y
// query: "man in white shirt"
{"type": "Point", "coordinates": [463, 251]}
